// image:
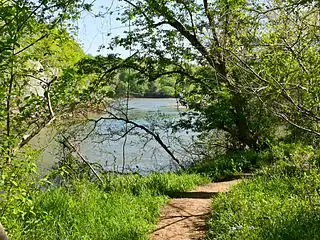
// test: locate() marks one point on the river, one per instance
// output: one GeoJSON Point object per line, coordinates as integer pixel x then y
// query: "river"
{"type": "Point", "coordinates": [138, 151]}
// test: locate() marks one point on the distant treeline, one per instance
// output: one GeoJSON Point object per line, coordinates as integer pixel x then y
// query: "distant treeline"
{"type": "Point", "coordinates": [122, 77]}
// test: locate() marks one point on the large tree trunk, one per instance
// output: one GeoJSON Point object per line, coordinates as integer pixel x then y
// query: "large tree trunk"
{"type": "Point", "coordinates": [244, 133]}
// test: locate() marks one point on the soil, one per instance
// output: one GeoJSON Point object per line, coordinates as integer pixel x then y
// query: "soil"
{"type": "Point", "coordinates": [185, 216]}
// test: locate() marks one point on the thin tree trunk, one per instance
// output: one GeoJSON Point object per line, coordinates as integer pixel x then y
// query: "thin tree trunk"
{"type": "Point", "coordinates": [3, 235]}
{"type": "Point", "coordinates": [8, 109]}
{"type": "Point", "coordinates": [83, 159]}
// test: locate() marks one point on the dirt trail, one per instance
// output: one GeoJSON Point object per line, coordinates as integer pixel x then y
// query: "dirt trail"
{"type": "Point", "coordinates": [185, 217]}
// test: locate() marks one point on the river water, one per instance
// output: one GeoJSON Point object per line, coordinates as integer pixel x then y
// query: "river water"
{"type": "Point", "coordinates": [138, 151]}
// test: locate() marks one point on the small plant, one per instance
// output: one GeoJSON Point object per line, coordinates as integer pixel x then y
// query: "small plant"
{"type": "Point", "coordinates": [18, 183]}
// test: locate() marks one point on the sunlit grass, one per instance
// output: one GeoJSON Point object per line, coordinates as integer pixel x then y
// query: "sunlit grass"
{"type": "Point", "coordinates": [126, 208]}
{"type": "Point", "coordinates": [270, 206]}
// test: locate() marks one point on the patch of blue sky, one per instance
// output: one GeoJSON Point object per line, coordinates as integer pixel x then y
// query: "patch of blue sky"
{"type": "Point", "coordinates": [97, 27]}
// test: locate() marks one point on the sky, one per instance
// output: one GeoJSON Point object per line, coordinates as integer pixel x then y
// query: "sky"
{"type": "Point", "coordinates": [93, 31]}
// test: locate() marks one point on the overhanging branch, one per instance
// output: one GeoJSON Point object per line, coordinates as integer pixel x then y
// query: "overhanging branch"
{"type": "Point", "coordinates": [146, 130]}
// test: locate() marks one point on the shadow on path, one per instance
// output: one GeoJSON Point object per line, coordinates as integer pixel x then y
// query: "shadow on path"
{"type": "Point", "coordinates": [186, 214]}
{"type": "Point", "coordinates": [203, 195]}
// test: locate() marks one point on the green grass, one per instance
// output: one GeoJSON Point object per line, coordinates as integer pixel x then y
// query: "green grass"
{"type": "Point", "coordinates": [155, 184]}
{"type": "Point", "coordinates": [282, 203]}
{"type": "Point", "coordinates": [127, 208]}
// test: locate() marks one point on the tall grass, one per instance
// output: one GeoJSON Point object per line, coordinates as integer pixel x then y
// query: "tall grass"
{"type": "Point", "coordinates": [155, 183]}
{"type": "Point", "coordinates": [281, 202]}
{"type": "Point", "coordinates": [126, 208]}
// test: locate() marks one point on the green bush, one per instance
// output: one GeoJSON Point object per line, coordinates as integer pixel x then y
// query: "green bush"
{"type": "Point", "coordinates": [225, 166]}
{"type": "Point", "coordinates": [18, 181]}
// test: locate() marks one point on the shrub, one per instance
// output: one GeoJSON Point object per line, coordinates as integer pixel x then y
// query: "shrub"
{"type": "Point", "coordinates": [225, 166]}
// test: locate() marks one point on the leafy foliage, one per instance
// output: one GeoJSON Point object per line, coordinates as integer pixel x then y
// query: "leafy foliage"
{"type": "Point", "coordinates": [228, 165]}
{"type": "Point", "coordinates": [122, 77]}
{"type": "Point", "coordinates": [246, 66]}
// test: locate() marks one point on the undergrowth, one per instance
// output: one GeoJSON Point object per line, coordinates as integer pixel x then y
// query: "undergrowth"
{"type": "Point", "coordinates": [226, 166]}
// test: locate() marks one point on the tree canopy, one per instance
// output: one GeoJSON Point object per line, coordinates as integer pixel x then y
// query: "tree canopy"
{"type": "Point", "coordinates": [249, 65]}
{"type": "Point", "coordinates": [34, 48]}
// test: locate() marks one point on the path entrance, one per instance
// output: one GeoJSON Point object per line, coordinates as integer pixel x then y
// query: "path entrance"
{"type": "Point", "coordinates": [186, 215]}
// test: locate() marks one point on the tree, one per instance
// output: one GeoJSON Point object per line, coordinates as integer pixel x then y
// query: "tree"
{"type": "Point", "coordinates": [33, 50]}
{"type": "Point", "coordinates": [184, 33]}
{"type": "Point", "coordinates": [289, 65]}
{"type": "Point", "coordinates": [35, 53]}
{"type": "Point", "coordinates": [225, 50]}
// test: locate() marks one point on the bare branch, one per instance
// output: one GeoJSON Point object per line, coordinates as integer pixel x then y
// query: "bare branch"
{"type": "Point", "coordinates": [277, 8]}
{"type": "Point", "coordinates": [148, 131]}
{"type": "Point", "coordinates": [284, 117]}
{"type": "Point", "coordinates": [290, 48]}
{"type": "Point", "coordinates": [211, 21]}
{"type": "Point", "coordinates": [191, 17]}
{"type": "Point", "coordinates": [284, 91]}
{"type": "Point", "coordinates": [83, 158]}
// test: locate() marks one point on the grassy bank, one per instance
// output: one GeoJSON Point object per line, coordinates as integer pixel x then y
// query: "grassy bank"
{"type": "Point", "coordinates": [126, 208]}
{"type": "Point", "coordinates": [281, 202]}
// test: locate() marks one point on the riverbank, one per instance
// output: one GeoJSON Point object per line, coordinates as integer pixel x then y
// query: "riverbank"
{"type": "Point", "coordinates": [280, 201]}
{"type": "Point", "coordinates": [70, 203]}
{"type": "Point", "coordinates": [126, 207]}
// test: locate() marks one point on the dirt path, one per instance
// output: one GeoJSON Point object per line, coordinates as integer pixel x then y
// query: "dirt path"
{"type": "Point", "coordinates": [185, 217]}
